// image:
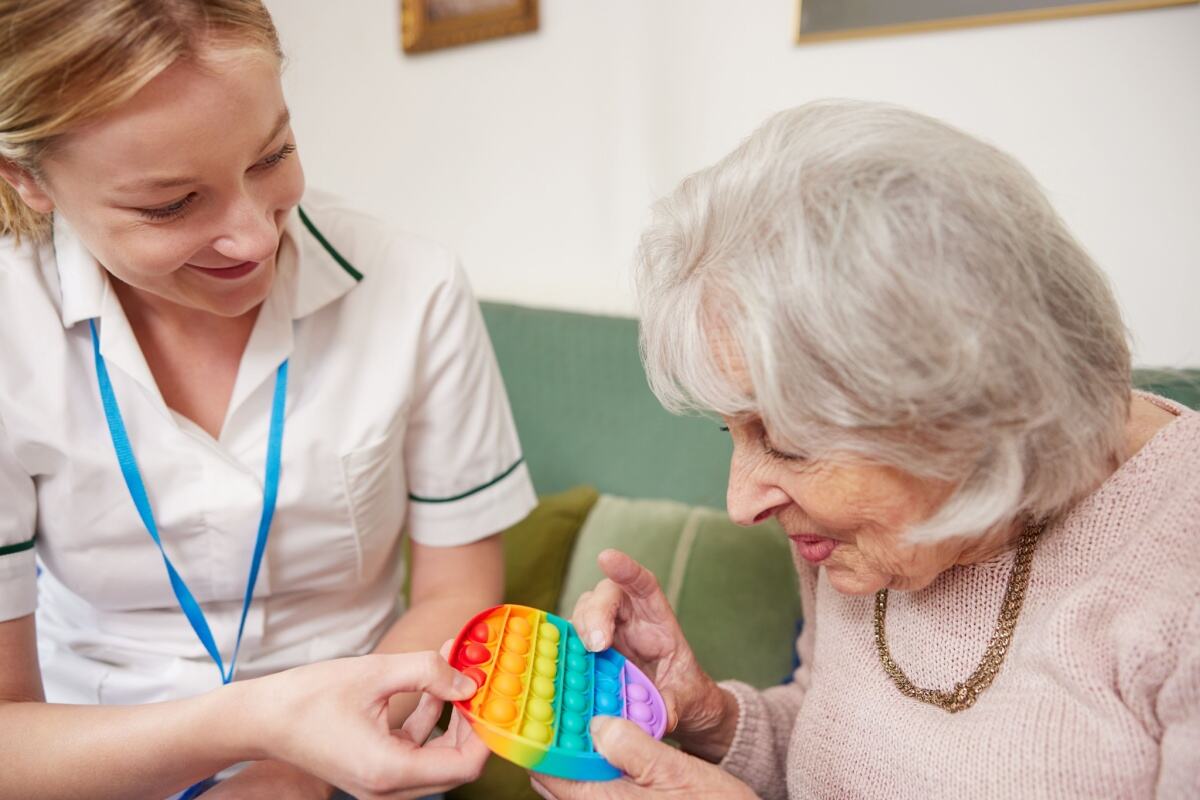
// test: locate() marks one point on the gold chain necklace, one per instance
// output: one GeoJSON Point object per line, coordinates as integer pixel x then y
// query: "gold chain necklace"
{"type": "Point", "coordinates": [964, 694]}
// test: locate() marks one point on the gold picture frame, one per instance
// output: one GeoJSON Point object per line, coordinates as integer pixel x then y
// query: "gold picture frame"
{"type": "Point", "coordinates": [434, 24]}
{"type": "Point", "coordinates": [989, 12]}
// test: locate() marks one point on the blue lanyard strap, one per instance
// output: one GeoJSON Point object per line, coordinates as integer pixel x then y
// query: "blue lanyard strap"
{"type": "Point", "coordinates": [137, 490]}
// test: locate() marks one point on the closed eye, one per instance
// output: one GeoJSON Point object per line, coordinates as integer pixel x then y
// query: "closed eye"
{"type": "Point", "coordinates": [170, 210]}
{"type": "Point", "coordinates": [276, 157]}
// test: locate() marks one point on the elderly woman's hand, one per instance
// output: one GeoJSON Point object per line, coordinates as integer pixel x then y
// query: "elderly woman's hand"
{"type": "Point", "coordinates": [629, 611]}
{"type": "Point", "coordinates": [652, 769]}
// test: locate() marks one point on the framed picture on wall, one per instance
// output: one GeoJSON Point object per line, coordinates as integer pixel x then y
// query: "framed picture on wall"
{"type": "Point", "coordinates": [824, 20]}
{"type": "Point", "coordinates": [434, 24]}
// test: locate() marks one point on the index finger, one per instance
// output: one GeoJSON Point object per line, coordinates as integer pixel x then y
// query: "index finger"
{"type": "Point", "coordinates": [421, 672]}
{"type": "Point", "coordinates": [626, 572]}
{"type": "Point", "coordinates": [595, 615]}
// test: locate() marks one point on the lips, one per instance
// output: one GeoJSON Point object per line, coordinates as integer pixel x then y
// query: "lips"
{"type": "Point", "coordinates": [228, 273]}
{"type": "Point", "coordinates": [814, 549]}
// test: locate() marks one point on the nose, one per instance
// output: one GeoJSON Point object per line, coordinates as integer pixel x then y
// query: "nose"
{"type": "Point", "coordinates": [752, 496]}
{"type": "Point", "coordinates": [248, 232]}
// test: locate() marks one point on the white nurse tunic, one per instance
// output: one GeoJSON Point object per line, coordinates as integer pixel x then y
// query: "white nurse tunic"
{"type": "Point", "coordinates": [396, 420]}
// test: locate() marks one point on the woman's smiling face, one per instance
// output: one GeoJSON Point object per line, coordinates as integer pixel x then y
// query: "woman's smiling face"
{"type": "Point", "coordinates": [182, 191]}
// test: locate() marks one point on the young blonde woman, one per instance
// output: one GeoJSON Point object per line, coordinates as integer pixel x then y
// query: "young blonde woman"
{"type": "Point", "coordinates": [221, 400]}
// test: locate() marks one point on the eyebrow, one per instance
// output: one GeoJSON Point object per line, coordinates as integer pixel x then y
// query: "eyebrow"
{"type": "Point", "coordinates": [285, 117]}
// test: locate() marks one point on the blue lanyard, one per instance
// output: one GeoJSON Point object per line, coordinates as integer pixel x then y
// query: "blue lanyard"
{"type": "Point", "coordinates": [137, 490]}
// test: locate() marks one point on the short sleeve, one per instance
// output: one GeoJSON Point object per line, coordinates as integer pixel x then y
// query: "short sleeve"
{"type": "Point", "coordinates": [466, 475]}
{"type": "Point", "coordinates": [18, 515]}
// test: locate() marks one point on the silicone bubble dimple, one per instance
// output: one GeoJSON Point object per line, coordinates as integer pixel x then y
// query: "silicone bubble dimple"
{"type": "Point", "coordinates": [539, 688]}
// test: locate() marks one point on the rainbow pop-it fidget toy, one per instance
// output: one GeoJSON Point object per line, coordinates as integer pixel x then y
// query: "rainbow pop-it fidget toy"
{"type": "Point", "coordinates": [539, 688]}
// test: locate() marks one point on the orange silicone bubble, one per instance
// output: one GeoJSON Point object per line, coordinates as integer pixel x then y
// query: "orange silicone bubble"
{"type": "Point", "coordinates": [507, 684]}
{"type": "Point", "coordinates": [500, 710]}
{"type": "Point", "coordinates": [519, 626]}
{"type": "Point", "coordinates": [515, 643]}
{"type": "Point", "coordinates": [511, 662]}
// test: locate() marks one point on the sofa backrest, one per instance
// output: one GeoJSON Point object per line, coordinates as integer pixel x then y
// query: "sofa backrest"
{"type": "Point", "coordinates": [586, 415]}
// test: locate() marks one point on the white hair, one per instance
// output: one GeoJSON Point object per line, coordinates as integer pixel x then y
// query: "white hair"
{"type": "Point", "coordinates": [897, 291]}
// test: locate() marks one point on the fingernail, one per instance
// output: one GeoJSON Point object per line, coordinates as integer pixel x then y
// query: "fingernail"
{"type": "Point", "coordinates": [597, 728]}
{"type": "Point", "coordinates": [595, 641]}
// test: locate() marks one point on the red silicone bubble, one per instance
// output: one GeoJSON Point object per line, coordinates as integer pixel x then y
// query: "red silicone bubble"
{"type": "Point", "coordinates": [475, 654]}
{"type": "Point", "coordinates": [476, 674]}
{"type": "Point", "coordinates": [481, 632]}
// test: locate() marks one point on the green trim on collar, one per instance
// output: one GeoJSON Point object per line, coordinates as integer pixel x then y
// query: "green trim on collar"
{"type": "Point", "coordinates": [20, 547]}
{"type": "Point", "coordinates": [468, 493]}
{"type": "Point", "coordinates": [346, 265]}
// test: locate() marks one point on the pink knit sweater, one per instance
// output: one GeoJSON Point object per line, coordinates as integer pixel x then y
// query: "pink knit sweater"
{"type": "Point", "coordinates": [1099, 696]}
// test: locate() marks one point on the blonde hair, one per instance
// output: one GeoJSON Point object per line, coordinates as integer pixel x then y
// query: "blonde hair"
{"type": "Point", "coordinates": [66, 62]}
{"type": "Point", "coordinates": [899, 292]}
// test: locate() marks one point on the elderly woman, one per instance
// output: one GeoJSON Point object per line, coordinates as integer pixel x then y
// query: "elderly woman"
{"type": "Point", "coordinates": [927, 383]}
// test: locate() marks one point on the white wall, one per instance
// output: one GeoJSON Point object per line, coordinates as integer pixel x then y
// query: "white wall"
{"type": "Point", "coordinates": [537, 156]}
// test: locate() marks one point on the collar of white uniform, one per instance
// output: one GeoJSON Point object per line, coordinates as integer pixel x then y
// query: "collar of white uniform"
{"type": "Point", "coordinates": [310, 274]}
{"type": "Point", "coordinates": [310, 271]}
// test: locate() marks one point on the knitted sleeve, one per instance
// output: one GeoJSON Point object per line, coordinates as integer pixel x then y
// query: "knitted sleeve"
{"type": "Point", "coordinates": [1178, 708]}
{"type": "Point", "coordinates": [758, 754]}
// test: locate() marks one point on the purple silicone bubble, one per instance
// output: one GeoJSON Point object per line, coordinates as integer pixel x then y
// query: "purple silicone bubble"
{"type": "Point", "coordinates": [650, 712]}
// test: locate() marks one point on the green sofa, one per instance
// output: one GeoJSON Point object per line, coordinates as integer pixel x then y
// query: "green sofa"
{"type": "Point", "coordinates": [615, 469]}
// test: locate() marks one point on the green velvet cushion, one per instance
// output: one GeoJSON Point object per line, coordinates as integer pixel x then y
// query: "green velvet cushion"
{"type": "Point", "coordinates": [538, 549]}
{"type": "Point", "coordinates": [733, 589]}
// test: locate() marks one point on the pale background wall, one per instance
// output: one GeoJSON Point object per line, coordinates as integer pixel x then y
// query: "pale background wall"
{"type": "Point", "coordinates": [536, 157]}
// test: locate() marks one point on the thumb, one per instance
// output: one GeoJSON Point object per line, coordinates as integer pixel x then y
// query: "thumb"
{"type": "Point", "coordinates": [633, 751]}
{"type": "Point", "coordinates": [420, 672]}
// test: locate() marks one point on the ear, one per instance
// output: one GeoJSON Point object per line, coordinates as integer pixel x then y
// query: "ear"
{"type": "Point", "coordinates": [31, 191]}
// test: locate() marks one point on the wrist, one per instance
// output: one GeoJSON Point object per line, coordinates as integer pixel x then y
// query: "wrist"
{"type": "Point", "coordinates": [297, 783]}
{"type": "Point", "coordinates": [707, 731]}
{"type": "Point", "coordinates": [239, 711]}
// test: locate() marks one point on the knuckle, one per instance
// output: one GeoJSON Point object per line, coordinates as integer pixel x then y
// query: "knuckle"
{"type": "Point", "coordinates": [430, 666]}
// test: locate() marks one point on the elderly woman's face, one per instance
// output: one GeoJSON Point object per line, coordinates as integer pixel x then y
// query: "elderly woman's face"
{"type": "Point", "coordinates": [848, 516]}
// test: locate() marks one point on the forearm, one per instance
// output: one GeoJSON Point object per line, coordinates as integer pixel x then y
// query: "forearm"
{"type": "Point", "coordinates": [150, 750]}
{"type": "Point", "coordinates": [442, 601]}
{"type": "Point", "coordinates": [426, 626]}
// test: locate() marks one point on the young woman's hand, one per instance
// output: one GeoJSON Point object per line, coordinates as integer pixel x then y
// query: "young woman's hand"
{"type": "Point", "coordinates": [331, 720]}
{"type": "Point", "coordinates": [652, 770]}
{"type": "Point", "coordinates": [629, 611]}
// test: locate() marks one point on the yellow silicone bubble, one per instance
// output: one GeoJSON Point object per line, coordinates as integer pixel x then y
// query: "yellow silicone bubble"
{"type": "Point", "coordinates": [504, 683]}
{"type": "Point", "coordinates": [551, 631]}
{"type": "Point", "coordinates": [542, 687]}
{"type": "Point", "coordinates": [545, 667]}
{"type": "Point", "coordinates": [539, 709]}
{"type": "Point", "coordinates": [547, 648]}
{"type": "Point", "coordinates": [532, 729]}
